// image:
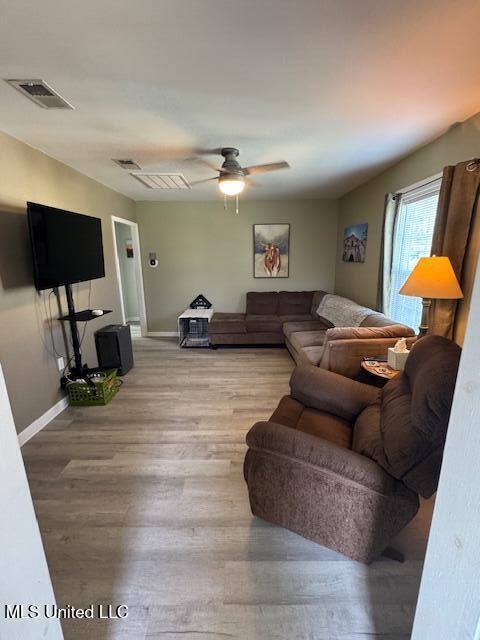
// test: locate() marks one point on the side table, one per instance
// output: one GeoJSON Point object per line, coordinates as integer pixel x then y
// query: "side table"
{"type": "Point", "coordinates": [378, 373]}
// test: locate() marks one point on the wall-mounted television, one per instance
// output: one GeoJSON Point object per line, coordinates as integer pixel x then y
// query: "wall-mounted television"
{"type": "Point", "coordinates": [67, 247]}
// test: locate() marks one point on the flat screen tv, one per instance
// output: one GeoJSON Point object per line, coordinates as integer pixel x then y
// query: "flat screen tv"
{"type": "Point", "coordinates": [67, 247]}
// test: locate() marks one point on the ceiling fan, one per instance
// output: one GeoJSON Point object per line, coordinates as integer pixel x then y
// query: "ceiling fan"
{"type": "Point", "coordinates": [232, 176]}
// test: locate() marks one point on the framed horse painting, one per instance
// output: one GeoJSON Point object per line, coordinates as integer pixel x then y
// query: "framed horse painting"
{"type": "Point", "coordinates": [271, 249]}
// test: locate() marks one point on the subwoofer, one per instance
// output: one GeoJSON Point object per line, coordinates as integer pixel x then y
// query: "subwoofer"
{"type": "Point", "coordinates": [114, 348]}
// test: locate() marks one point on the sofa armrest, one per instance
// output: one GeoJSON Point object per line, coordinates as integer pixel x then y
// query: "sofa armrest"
{"type": "Point", "coordinates": [277, 439]}
{"type": "Point", "coordinates": [328, 391]}
{"type": "Point", "coordinates": [391, 331]}
{"type": "Point", "coordinates": [345, 356]}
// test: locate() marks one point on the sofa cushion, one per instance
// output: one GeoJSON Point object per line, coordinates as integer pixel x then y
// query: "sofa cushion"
{"type": "Point", "coordinates": [292, 413]}
{"type": "Point", "coordinates": [262, 323]}
{"type": "Point", "coordinates": [367, 437]}
{"type": "Point", "coordinates": [262, 303]}
{"type": "Point", "coordinates": [311, 355]}
{"type": "Point", "coordinates": [294, 303]}
{"type": "Point", "coordinates": [301, 339]}
{"type": "Point", "coordinates": [301, 317]}
{"type": "Point", "coordinates": [304, 325]}
{"type": "Point", "coordinates": [227, 323]}
{"type": "Point", "coordinates": [327, 426]}
{"type": "Point", "coordinates": [288, 412]}
{"type": "Point", "coordinates": [316, 299]}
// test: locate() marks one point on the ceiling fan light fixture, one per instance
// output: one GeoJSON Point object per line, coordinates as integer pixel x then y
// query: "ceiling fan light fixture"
{"type": "Point", "coordinates": [231, 185]}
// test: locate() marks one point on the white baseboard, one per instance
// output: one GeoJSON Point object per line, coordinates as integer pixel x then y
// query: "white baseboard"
{"type": "Point", "coordinates": [41, 422]}
{"type": "Point", "coordinates": [162, 334]}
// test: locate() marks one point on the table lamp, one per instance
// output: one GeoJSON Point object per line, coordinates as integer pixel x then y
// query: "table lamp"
{"type": "Point", "coordinates": [432, 278]}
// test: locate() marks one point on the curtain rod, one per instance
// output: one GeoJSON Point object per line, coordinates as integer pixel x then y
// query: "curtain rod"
{"type": "Point", "coordinates": [420, 183]}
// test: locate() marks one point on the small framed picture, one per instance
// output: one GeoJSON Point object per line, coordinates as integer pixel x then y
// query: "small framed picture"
{"type": "Point", "coordinates": [355, 243]}
{"type": "Point", "coordinates": [271, 250]}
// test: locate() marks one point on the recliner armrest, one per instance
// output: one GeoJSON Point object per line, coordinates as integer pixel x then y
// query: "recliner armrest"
{"type": "Point", "coordinates": [328, 391]}
{"type": "Point", "coordinates": [278, 439]}
{"type": "Point", "coordinates": [360, 333]}
{"type": "Point", "coordinates": [345, 355]}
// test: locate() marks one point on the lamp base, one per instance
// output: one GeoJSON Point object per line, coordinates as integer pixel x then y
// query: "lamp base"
{"type": "Point", "coordinates": [423, 328]}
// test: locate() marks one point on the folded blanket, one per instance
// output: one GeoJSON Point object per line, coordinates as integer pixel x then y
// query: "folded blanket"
{"type": "Point", "coordinates": [342, 312]}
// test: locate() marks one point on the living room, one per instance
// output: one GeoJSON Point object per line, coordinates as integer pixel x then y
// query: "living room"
{"type": "Point", "coordinates": [283, 170]}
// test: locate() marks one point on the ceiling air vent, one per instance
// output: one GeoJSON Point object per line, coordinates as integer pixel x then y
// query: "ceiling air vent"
{"type": "Point", "coordinates": [41, 93]}
{"type": "Point", "coordinates": [162, 180]}
{"type": "Point", "coordinates": [129, 165]}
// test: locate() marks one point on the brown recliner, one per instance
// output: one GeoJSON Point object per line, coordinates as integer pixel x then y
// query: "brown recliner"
{"type": "Point", "coordinates": [342, 463]}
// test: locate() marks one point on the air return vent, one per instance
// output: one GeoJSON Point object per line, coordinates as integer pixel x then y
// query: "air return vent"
{"type": "Point", "coordinates": [129, 165]}
{"type": "Point", "coordinates": [41, 93]}
{"type": "Point", "coordinates": [162, 180]}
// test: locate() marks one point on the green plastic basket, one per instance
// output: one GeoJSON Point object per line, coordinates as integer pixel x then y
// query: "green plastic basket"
{"type": "Point", "coordinates": [82, 394]}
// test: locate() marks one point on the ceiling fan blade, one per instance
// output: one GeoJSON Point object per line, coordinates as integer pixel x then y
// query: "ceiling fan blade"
{"type": "Point", "coordinates": [252, 183]}
{"type": "Point", "coordinates": [202, 181]}
{"type": "Point", "coordinates": [263, 168]}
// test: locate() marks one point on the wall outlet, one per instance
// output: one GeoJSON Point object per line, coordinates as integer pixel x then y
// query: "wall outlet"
{"type": "Point", "coordinates": [60, 364]}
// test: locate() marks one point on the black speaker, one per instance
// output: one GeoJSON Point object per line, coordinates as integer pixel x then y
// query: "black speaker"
{"type": "Point", "coordinates": [114, 348]}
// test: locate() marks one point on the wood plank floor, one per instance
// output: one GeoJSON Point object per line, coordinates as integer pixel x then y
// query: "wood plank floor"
{"type": "Point", "coordinates": [143, 503]}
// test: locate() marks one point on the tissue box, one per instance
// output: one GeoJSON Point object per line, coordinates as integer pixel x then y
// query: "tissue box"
{"type": "Point", "coordinates": [397, 360]}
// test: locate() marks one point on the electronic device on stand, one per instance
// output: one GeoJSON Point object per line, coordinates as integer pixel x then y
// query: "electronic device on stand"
{"type": "Point", "coordinates": [67, 248]}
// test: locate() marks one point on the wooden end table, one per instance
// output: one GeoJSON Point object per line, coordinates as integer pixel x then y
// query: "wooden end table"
{"type": "Point", "coordinates": [378, 373]}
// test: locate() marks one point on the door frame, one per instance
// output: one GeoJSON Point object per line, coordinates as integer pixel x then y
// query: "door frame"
{"type": "Point", "coordinates": [448, 605]}
{"type": "Point", "coordinates": [23, 565]}
{"type": "Point", "coordinates": [137, 257]}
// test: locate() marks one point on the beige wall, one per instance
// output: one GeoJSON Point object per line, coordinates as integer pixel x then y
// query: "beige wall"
{"type": "Point", "coordinates": [365, 204]}
{"type": "Point", "coordinates": [203, 249]}
{"type": "Point", "coordinates": [26, 352]}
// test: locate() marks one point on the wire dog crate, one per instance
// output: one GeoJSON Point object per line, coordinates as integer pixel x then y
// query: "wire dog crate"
{"type": "Point", "coordinates": [193, 328]}
{"type": "Point", "coordinates": [195, 332]}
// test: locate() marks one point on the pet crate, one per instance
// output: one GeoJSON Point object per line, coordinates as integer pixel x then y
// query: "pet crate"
{"type": "Point", "coordinates": [194, 332]}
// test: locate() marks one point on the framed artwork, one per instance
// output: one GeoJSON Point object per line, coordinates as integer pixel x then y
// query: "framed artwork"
{"type": "Point", "coordinates": [355, 243]}
{"type": "Point", "coordinates": [129, 248]}
{"type": "Point", "coordinates": [271, 249]}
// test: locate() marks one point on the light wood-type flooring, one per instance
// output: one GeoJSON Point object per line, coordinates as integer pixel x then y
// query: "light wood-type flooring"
{"type": "Point", "coordinates": [143, 503]}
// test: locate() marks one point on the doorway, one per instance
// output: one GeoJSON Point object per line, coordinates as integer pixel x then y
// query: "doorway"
{"type": "Point", "coordinates": [129, 275]}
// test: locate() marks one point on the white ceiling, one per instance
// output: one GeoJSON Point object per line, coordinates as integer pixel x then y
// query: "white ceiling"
{"type": "Point", "coordinates": [338, 88]}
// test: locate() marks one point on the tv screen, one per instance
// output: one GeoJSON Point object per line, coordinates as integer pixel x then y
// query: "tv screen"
{"type": "Point", "coordinates": [67, 247]}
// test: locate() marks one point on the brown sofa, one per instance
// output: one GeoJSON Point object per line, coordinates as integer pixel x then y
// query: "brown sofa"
{"type": "Point", "coordinates": [262, 323]}
{"type": "Point", "coordinates": [290, 317]}
{"type": "Point", "coordinates": [342, 463]}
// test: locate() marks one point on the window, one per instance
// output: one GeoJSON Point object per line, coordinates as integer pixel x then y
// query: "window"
{"type": "Point", "coordinates": [412, 239]}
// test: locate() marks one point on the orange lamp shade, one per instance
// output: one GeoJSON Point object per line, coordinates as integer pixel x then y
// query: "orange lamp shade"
{"type": "Point", "coordinates": [432, 278]}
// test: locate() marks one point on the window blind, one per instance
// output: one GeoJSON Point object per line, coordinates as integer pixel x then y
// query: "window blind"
{"type": "Point", "coordinates": [412, 240]}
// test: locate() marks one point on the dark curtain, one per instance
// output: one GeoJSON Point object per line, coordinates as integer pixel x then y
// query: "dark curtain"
{"type": "Point", "coordinates": [457, 206]}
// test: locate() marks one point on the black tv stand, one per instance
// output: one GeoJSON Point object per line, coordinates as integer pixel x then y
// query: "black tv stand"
{"type": "Point", "coordinates": [80, 370]}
